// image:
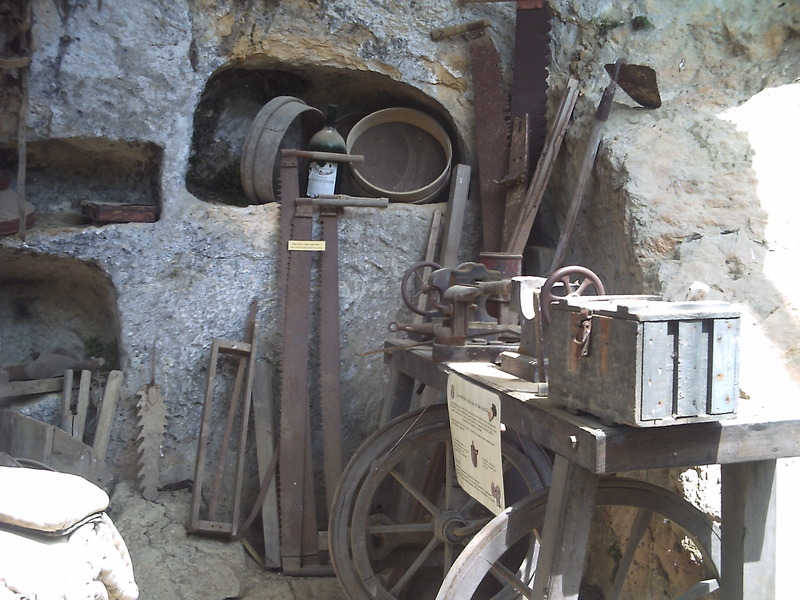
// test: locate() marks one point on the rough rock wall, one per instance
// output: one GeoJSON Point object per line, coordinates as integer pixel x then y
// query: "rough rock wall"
{"type": "Point", "coordinates": [134, 72]}
{"type": "Point", "coordinates": [697, 189]}
{"type": "Point", "coordinates": [700, 189]}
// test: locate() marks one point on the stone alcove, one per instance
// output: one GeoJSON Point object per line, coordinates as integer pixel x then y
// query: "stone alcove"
{"type": "Point", "coordinates": [50, 304]}
{"type": "Point", "coordinates": [65, 176]}
{"type": "Point", "coordinates": [234, 94]}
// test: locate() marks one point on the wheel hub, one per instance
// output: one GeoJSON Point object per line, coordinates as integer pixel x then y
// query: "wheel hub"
{"type": "Point", "coordinates": [446, 525]}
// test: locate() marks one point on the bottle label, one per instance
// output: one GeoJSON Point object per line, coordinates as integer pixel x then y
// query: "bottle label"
{"type": "Point", "coordinates": [321, 179]}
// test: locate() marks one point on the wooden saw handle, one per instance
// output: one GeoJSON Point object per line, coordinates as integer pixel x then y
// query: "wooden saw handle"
{"type": "Point", "coordinates": [446, 32]}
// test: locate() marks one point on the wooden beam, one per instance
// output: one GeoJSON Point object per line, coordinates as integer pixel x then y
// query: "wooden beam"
{"type": "Point", "coordinates": [748, 530]}
{"type": "Point", "coordinates": [30, 388]}
{"type": "Point", "coordinates": [105, 420]}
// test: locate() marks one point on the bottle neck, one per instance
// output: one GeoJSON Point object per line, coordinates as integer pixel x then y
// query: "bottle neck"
{"type": "Point", "coordinates": [330, 117]}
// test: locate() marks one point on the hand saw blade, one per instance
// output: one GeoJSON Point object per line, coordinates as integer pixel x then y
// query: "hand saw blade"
{"type": "Point", "coordinates": [152, 416]}
{"type": "Point", "coordinates": [297, 508]}
{"type": "Point", "coordinates": [491, 135]}
{"type": "Point", "coordinates": [531, 61]}
{"type": "Point", "coordinates": [329, 350]}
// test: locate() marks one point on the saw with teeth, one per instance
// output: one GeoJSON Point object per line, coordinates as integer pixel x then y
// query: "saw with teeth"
{"type": "Point", "coordinates": [152, 425]}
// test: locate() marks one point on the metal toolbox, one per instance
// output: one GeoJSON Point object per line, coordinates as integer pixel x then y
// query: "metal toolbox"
{"type": "Point", "coordinates": [643, 361]}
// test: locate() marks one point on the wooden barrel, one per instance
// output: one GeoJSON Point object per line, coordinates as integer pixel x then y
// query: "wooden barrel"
{"type": "Point", "coordinates": [283, 122]}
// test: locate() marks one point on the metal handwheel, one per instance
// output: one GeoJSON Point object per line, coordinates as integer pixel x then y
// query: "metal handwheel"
{"type": "Point", "coordinates": [583, 280]}
{"type": "Point", "coordinates": [414, 285]}
{"type": "Point", "coordinates": [486, 558]}
{"type": "Point", "coordinates": [399, 518]}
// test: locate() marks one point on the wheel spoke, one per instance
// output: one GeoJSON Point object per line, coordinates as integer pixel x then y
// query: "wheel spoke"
{"type": "Point", "coordinates": [398, 528]}
{"type": "Point", "coordinates": [583, 286]}
{"type": "Point", "coordinates": [701, 589]}
{"type": "Point", "coordinates": [418, 495]}
{"type": "Point", "coordinates": [415, 566]}
{"type": "Point", "coordinates": [448, 559]}
{"type": "Point", "coordinates": [638, 529]}
{"type": "Point", "coordinates": [506, 577]}
{"type": "Point", "coordinates": [488, 552]}
{"type": "Point", "coordinates": [396, 523]}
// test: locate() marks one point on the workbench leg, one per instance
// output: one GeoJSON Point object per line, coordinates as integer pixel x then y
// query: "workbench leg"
{"type": "Point", "coordinates": [748, 530]}
{"type": "Point", "coordinates": [398, 396]}
{"type": "Point", "coordinates": [565, 534]}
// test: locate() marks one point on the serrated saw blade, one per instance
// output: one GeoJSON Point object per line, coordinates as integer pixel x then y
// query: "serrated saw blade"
{"type": "Point", "coordinates": [152, 416]}
{"type": "Point", "coordinates": [492, 132]}
{"type": "Point", "coordinates": [295, 476]}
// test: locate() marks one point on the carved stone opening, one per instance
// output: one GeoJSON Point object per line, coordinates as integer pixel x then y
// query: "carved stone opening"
{"type": "Point", "coordinates": [234, 95]}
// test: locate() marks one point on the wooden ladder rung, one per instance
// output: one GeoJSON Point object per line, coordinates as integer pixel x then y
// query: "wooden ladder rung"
{"type": "Point", "coordinates": [236, 348]}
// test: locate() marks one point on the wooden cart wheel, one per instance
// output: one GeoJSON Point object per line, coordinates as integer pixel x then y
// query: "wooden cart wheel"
{"type": "Point", "coordinates": [576, 281]}
{"type": "Point", "coordinates": [414, 285]}
{"type": "Point", "coordinates": [399, 518]}
{"type": "Point", "coordinates": [649, 507]}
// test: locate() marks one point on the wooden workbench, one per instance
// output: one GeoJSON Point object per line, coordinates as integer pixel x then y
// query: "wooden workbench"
{"type": "Point", "coordinates": [746, 447]}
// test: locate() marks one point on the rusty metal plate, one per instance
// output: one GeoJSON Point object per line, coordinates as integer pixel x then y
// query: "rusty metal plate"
{"type": "Point", "coordinates": [492, 135]}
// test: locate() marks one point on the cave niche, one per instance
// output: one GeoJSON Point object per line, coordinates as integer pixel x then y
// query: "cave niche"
{"type": "Point", "coordinates": [234, 95]}
{"type": "Point", "coordinates": [51, 303]}
{"type": "Point", "coordinates": [67, 177]}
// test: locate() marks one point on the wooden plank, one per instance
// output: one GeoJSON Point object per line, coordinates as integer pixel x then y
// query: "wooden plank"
{"type": "Point", "coordinates": [66, 401]}
{"type": "Point", "coordinates": [724, 379]}
{"type": "Point", "coordinates": [79, 421]}
{"type": "Point", "coordinates": [454, 218]}
{"type": "Point", "coordinates": [30, 388]}
{"type": "Point", "coordinates": [110, 212]}
{"type": "Point", "coordinates": [751, 436]}
{"type": "Point", "coordinates": [748, 530]}
{"type": "Point", "coordinates": [233, 409]}
{"type": "Point", "coordinates": [398, 398]}
{"type": "Point", "coordinates": [105, 420]}
{"type": "Point", "coordinates": [430, 256]}
{"type": "Point", "coordinates": [517, 178]}
{"type": "Point", "coordinates": [244, 421]}
{"type": "Point", "coordinates": [657, 378]}
{"type": "Point", "coordinates": [202, 442]}
{"type": "Point", "coordinates": [24, 437]}
{"type": "Point", "coordinates": [692, 366]}
{"type": "Point", "coordinates": [264, 426]}
{"type": "Point", "coordinates": [565, 534]}
{"type": "Point", "coordinates": [544, 167]}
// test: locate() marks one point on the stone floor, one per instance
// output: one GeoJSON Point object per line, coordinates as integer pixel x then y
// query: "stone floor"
{"type": "Point", "coordinates": [171, 564]}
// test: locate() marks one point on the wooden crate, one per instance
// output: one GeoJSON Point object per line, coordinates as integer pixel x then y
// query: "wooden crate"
{"type": "Point", "coordinates": [649, 362]}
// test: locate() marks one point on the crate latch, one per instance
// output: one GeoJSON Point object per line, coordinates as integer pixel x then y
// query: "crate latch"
{"type": "Point", "coordinates": [583, 335]}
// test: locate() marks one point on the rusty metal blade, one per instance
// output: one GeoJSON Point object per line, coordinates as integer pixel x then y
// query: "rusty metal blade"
{"type": "Point", "coordinates": [531, 61]}
{"type": "Point", "coordinates": [517, 179]}
{"type": "Point", "coordinates": [491, 133]}
{"type": "Point", "coordinates": [297, 508]}
{"type": "Point", "coordinates": [330, 397]}
{"type": "Point", "coordinates": [544, 167]}
{"type": "Point", "coordinates": [638, 81]}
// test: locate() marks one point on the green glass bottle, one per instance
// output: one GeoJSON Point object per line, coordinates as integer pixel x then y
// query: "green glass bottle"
{"type": "Point", "coordinates": [321, 174]}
